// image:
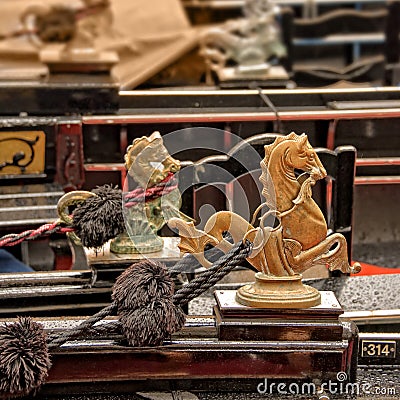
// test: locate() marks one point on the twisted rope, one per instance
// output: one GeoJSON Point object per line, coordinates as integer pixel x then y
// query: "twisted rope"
{"type": "Point", "coordinates": [187, 263]}
{"type": "Point", "coordinates": [209, 278]}
{"type": "Point", "coordinates": [135, 197]}
{"type": "Point", "coordinates": [82, 328]}
{"type": "Point", "coordinates": [195, 288]}
{"type": "Point", "coordinates": [13, 239]}
{"type": "Point", "coordinates": [139, 195]}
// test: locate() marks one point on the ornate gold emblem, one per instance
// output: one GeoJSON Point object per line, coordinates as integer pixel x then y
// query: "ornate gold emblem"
{"type": "Point", "coordinates": [22, 152]}
{"type": "Point", "coordinates": [299, 240]}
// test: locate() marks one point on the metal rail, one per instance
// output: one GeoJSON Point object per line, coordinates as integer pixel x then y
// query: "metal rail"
{"type": "Point", "coordinates": [225, 4]}
{"type": "Point", "coordinates": [241, 116]}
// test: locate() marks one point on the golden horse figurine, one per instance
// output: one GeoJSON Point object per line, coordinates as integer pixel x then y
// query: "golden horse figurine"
{"type": "Point", "coordinates": [149, 165]}
{"type": "Point", "coordinates": [280, 253]}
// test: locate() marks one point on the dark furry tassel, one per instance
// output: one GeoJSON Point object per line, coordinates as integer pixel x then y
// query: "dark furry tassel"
{"type": "Point", "coordinates": [99, 218]}
{"type": "Point", "coordinates": [146, 311]}
{"type": "Point", "coordinates": [24, 358]}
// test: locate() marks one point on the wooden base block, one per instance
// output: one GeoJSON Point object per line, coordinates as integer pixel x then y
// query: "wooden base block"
{"type": "Point", "coordinates": [105, 258]}
{"type": "Point", "coordinates": [235, 321]}
{"type": "Point", "coordinates": [79, 62]}
{"type": "Point", "coordinates": [269, 76]}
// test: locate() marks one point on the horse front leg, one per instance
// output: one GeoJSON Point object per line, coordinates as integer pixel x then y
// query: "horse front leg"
{"type": "Point", "coordinates": [331, 252]}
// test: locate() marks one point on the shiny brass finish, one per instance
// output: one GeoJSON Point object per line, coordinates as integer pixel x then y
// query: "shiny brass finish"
{"type": "Point", "coordinates": [226, 115]}
{"type": "Point", "coordinates": [298, 242]}
{"type": "Point", "coordinates": [22, 152]}
{"type": "Point", "coordinates": [185, 109]}
{"type": "Point", "coordinates": [144, 151]}
{"type": "Point", "coordinates": [71, 199]}
{"type": "Point", "coordinates": [193, 243]}
{"type": "Point", "coordinates": [277, 291]}
{"type": "Point", "coordinates": [148, 163]}
{"type": "Point", "coordinates": [123, 244]}
{"type": "Point", "coordinates": [245, 92]}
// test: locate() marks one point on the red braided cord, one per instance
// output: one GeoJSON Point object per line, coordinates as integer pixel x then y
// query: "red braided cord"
{"type": "Point", "coordinates": [140, 195]}
{"type": "Point", "coordinates": [140, 191]}
{"type": "Point", "coordinates": [47, 229]}
{"type": "Point", "coordinates": [136, 196]}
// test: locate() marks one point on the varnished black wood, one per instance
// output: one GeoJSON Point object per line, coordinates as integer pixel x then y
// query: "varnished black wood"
{"type": "Point", "coordinates": [340, 166]}
{"type": "Point", "coordinates": [343, 21]}
{"type": "Point", "coordinates": [312, 34]}
{"type": "Point", "coordinates": [392, 44]}
{"type": "Point", "coordinates": [60, 95]}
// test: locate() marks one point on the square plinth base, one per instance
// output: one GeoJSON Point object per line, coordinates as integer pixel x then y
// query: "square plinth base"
{"type": "Point", "coordinates": [301, 330]}
{"type": "Point", "coordinates": [58, 62]}
{"type": "Point", "coordinates": [107, 259]}
{"type": "Point", "coordinates": [107, 266]}
{"type": "Point", "coordinates": [273, 76]}
{"type": "Point", "coordinates": [238, 322]}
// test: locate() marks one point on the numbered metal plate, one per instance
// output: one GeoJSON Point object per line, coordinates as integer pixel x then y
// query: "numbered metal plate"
{"type": "Point", "coordinates": [378, 348]}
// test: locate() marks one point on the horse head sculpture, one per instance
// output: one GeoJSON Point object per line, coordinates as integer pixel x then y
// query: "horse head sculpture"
{"type": "Point", "coordinates": [148, 162]}
{"type": "Point", "coordinates": [298, 240]}
{"type": "Point", "coordinates": [151, 196]}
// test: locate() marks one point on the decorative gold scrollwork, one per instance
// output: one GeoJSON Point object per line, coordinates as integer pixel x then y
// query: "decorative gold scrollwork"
{"type": "Point", "coordinates": [22, 152]}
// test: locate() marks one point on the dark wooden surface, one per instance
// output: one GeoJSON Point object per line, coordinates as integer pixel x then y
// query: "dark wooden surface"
{"type": "Point", "coordinates": [60, 95]}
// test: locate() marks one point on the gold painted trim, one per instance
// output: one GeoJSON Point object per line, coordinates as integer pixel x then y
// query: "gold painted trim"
{"type": "Point", "coordinates": [22, 152]}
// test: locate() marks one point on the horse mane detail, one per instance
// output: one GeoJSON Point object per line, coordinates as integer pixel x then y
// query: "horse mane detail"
{"type": "Point", "coordinates": [270, 147]}
{"type": "Point", "coordinates": [141, 155]}
{"type": "Point", "coordinates": [137, 146]}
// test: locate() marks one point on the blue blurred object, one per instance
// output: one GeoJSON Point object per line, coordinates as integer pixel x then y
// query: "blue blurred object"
{"type": "Point", "coordinates": [8, 263]}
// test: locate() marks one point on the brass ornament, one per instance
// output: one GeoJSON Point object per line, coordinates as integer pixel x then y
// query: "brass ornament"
{"type": "Point", "coordinates": [273, 291]}
{"type": "Point", "coordinates": [145, 210]}
{"type": "Point", "coordinates": [148, 162]}
{"type": "Point", "coordinates": [298, 242]}
{"type": "Point", "coordinates": [149, 165]}
{"type": "Point", "coordinates": [71, 199]}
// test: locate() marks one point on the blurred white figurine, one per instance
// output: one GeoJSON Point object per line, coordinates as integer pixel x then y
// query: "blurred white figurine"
{"type": "Point", "coordinates": [246, 44]}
